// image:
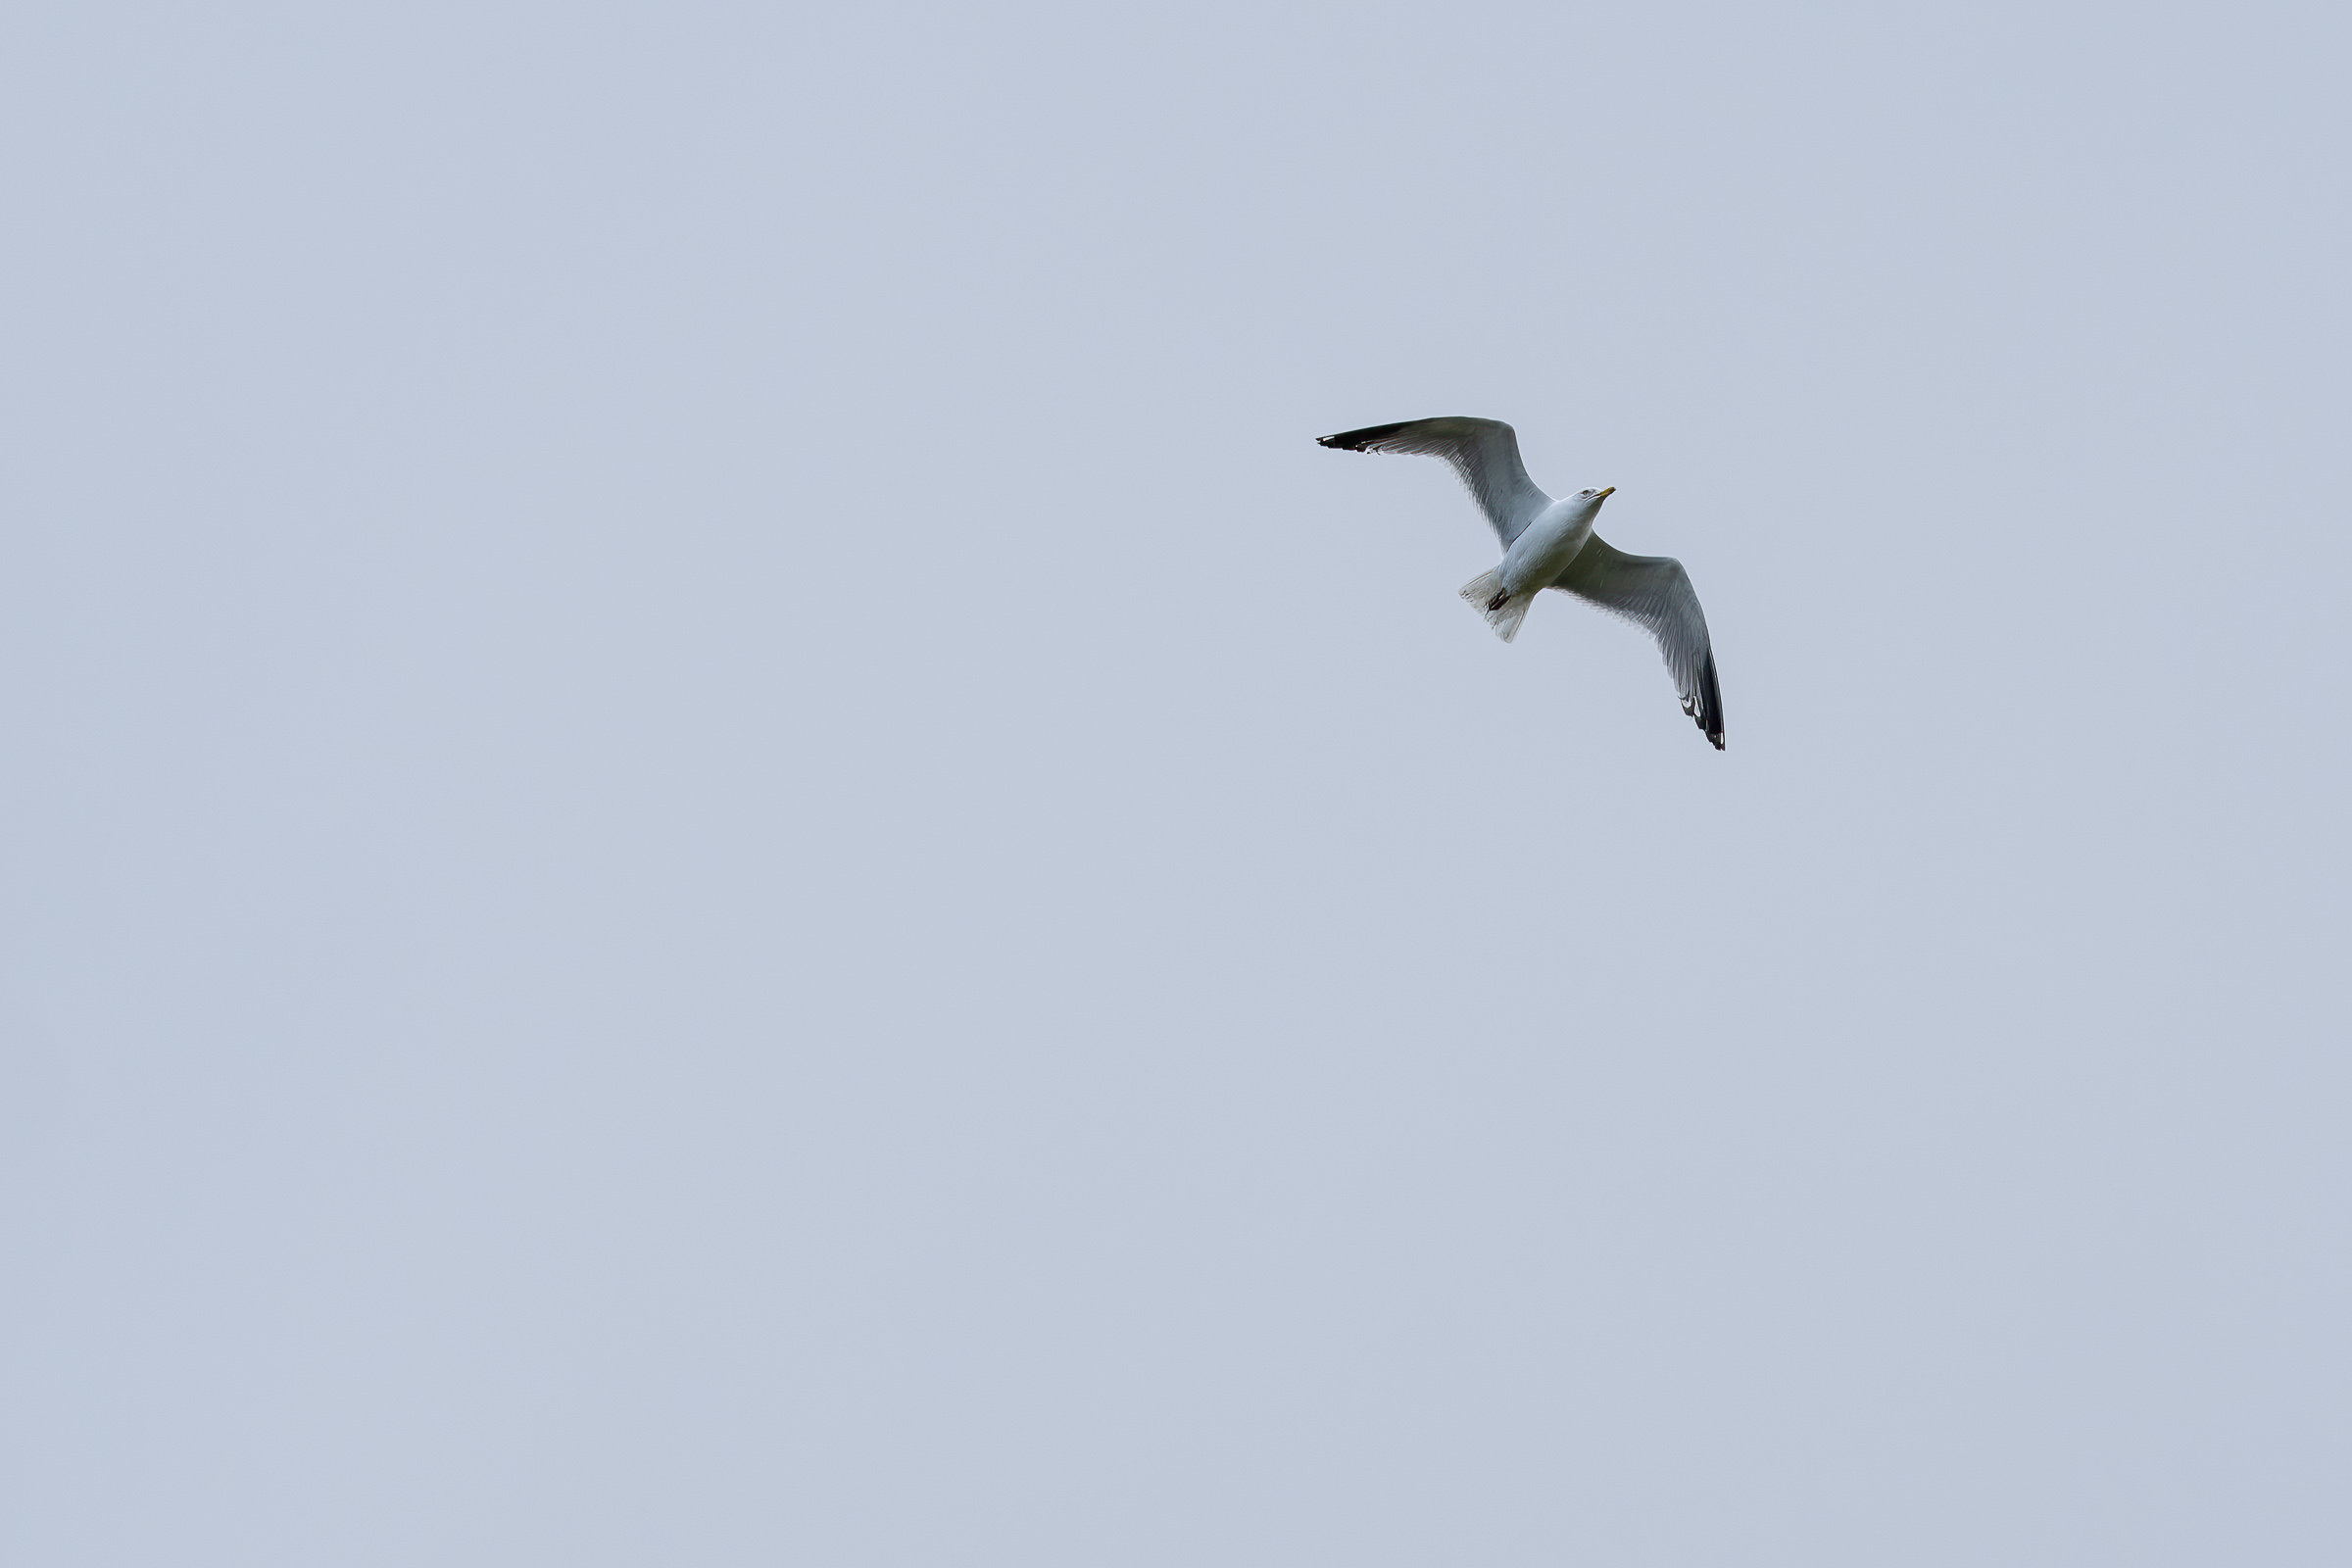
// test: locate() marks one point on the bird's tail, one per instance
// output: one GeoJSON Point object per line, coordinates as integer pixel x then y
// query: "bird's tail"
{"type": "Point", "coordinates": [1503, 610]}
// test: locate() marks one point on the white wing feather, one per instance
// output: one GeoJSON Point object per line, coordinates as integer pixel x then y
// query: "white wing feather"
{"type": "Point", "coordinates": [1484, 453]}
{"type": "Point", "coordinates": [1654, 592]}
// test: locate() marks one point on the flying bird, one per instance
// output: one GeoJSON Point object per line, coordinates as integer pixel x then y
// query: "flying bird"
{"type": "Point", "coordinates": [1551, 544]}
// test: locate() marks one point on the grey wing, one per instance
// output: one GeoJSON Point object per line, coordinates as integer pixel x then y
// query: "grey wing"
{"type": "Point", "coordinates": [1485, 453]}
{"type": "Point", "coordinates": [1654, 592]}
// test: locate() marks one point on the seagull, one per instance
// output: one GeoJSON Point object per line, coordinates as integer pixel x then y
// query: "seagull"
{"type": "Point", "coordinates": [1551, 544]}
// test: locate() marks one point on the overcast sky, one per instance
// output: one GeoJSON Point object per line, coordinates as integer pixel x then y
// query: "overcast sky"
{"type": "Point", "coordinates": [718, 844]}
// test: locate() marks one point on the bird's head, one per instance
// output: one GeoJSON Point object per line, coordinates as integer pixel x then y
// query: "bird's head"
{"type": "Point", "coordinates": [1593, 498]}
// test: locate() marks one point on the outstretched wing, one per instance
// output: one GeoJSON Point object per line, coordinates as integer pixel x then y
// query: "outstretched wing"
{"type": "Point", "coordinates": [1654, 592]}
{"type": "Point", "coordinates": [1485, 453]}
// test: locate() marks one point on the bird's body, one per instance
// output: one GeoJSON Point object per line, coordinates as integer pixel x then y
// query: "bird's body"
{"type": "Point", "coordinates": [1551, 544]}
{"type": "Point", "coordinates": [1535, 558]}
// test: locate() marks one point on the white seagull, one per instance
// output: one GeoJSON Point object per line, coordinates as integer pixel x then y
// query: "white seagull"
{"type": "Point", "coordinates": [1551, 544]}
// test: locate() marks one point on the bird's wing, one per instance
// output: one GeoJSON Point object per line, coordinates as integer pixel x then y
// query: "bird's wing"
{"type": "Point", "coordinates": [1655, 592]}
{"type": "Point", "coordinates": [1485, 453]}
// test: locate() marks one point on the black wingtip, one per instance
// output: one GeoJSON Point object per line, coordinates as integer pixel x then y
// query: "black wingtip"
{"type": "Point", "coordinates": [1358, 440]}
{"type": "Point", "coordinates": [1710, 709]}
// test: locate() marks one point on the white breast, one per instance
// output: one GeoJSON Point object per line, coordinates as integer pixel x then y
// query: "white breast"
{"type": "Point", "coordinates": [1538, 557]}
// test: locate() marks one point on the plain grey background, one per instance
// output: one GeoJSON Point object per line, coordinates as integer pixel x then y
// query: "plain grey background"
{"type": "Point", "coordinates": [721, 847]}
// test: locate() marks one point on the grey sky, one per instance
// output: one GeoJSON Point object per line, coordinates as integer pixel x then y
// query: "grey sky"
{"type": "Point", "coordinates": [719, 846]}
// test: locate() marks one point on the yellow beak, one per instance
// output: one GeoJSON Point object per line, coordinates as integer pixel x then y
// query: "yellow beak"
{"type": "Point", "coordinates": [1605, 494]}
